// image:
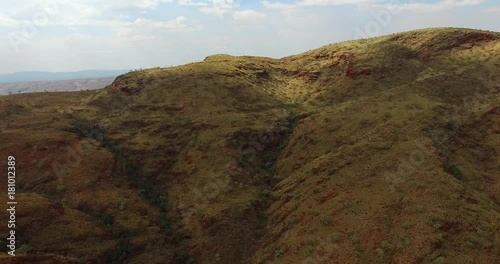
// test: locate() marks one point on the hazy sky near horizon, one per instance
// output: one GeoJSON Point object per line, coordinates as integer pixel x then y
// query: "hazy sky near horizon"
{"type": "Point", "coordinates": [71, 35]}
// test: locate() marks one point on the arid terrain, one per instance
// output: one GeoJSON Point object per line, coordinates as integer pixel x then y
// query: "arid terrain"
{"type": "Point", "coordinates": [382, 150]}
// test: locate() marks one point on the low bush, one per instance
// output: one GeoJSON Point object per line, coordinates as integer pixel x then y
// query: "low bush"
{"type": "Point", "coordinates": [455, 171]}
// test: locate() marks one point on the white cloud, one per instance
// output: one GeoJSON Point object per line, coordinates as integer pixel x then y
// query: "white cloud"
{"type": "Point", "coordinates": [191, 3]}
{"type": "Point", "coordinates": [296, 12]}
{"type": "Point", "coordinates": [223, 7]}
{"type": "Point", "coordinates": [79, 37]}
{"type": "Point", "coordinates": [293, 13]}
{"type": "Point", "coordinates": [389, 4]}
{"type": "Point", "coordinates": [427, 7]}
{"type": "Point", "coordinates": [142, 28]}
{"type": "Point", "coordinates": [143, 4]}
{"type": "Point", "coordinates": [494, 10]}
{"type": "Point", "coordinates": [7, 20]}
{"type": "Point", "coordinates": [278, 5]}
{"type": "Point", "coordinates": [219, 7]}
{"type": "Point", "coordinates": [70, 13]}
{"type": "Point", "coordinates": [331, 2]}
{"type": "Point", "coordinates": [302, 3]}
{"type": "Point", "coordinates": [247, 15]}
{"type": "Point", "coordinates": [106, 13]}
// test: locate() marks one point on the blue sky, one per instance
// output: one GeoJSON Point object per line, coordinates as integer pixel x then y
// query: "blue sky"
{"type": "Point", "coordinates": [65, 35]}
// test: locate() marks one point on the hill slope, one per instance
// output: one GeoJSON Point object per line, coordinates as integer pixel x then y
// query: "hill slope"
{"type": "Point", "coordinates": [373, 151]}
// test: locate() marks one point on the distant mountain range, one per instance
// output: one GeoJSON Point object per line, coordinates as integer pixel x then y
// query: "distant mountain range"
{"type": "Point", "coordinates": [55, 86]}
{"type": "Point", "coordinates": [37, 76]}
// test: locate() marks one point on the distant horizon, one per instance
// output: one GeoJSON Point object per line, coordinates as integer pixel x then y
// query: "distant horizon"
{"type": "Point", "coordinates": [41, 76]}
{"type": "Point", "coordinates": [42, 71]}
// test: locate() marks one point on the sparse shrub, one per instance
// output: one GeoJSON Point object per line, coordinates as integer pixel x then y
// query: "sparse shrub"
{"type": "Point", "coordinates": [380, 252]}
{"type": "Point", "coordinates": [20, 185]}
{"type": "Point", "coordinates": [474, 243]}
{"type": "Point", "coordinates": [326, 220]}
{"type": "Point", "coordinates": [182, 257]}
{"type": "Point", "coordinates": [122, 206]}
{"type": "Point", "coordinates": [335, 237]}
{"type": "Point", "coordinates": [107, 219]}
{"type": "Point", "coordinates": [119, 232]}
{"type": "Point", "coordinates": [211, 221]}
{"type": "Point", "coordinates": [455, 171]}
{"type": "Point", "coordinates": [40, 165]}
{"type": "Point", "coordinates": [3, 245]}
{"type": "Point", "coordinates": [364, 122]}
{"type": "Point", "coordinates": [165, 225]}
{"type": "Point", "coordinates": [386, 245]}
{"type": "Point", "coordinates": [24, 249]}
{"type": "Point", "coordinates": [439, 260]}
{"type": "Point", "coordinates": [89, 182]}
{"type": "Point", "coordinates": [405, 241]}
{"type": "Point", "coordinates": [280, 252]}
{"type": "Point", "coordinates": [353, 237]}
{"type": "Point", "coordinates": [122, 250]}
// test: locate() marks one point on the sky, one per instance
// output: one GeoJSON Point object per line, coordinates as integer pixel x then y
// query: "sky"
{"type": "Point", "coordinates": [72, 35]}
